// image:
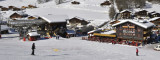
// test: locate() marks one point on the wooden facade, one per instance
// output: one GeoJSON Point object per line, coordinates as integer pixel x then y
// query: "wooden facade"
{"type": "Point", "coordinates": [157, 23]}
{"type": "Point", "coordinates": [75, 2]}
{"type": "Point", "coordinates": [142, 13]}
{"type": "Point", "coordinates": [155, 15]}
{"type": "Point", "coordinates": [125, 15]}
{"type": "Point", "coordinates": [105, 3]}
{"type": "Point", "coordinates": [16, 15]}
{"type": "Point", "coordinates": [17, 9]}
{"type": "Point", "coordinates": [31, 18]}
{"type": "Point", "coordinates": [51, 29]}
{"type": "Point", "coordinates": [78, 21]}
{"type": "Point", "coordinates": [132, 32]}
{"type": "Point", "coordinates": [24, 7]}
{"type": "Point", "coordinates": [31, 6]}
{"type": "Point", "coordinates": [11, 7]}
{"type": "Point", "coordinates": [4, 9]}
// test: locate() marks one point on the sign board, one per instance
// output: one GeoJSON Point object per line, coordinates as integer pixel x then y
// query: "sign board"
{"type": "Point", "coordinates": [128, 31]}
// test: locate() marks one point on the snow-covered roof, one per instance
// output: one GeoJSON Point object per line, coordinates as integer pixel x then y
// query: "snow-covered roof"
{"type": "Point", "coordinates": [94, 31]}
{"type": "Point", "coordinates": [71, 32]}
{"type": "Point", "coordinates": [109, 32]}
{"type": "Point", "coordinates": [54, 18]}
{"type": "Point", "coordinates": [79, 18]}
{"type": "Point", "coordinates": [144, 24]}
{"type": "Point", "coordinates": [33, 34]}
{"type": "Point", "coordinates": [155, 18]}
{"type": "Point", "coordinates": [124, 11]}
{"type": "Point", "coordinates": [4, 27]}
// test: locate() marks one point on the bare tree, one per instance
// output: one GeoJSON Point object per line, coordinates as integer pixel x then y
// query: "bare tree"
{"type": "Point", "coordinates": [112, 12]}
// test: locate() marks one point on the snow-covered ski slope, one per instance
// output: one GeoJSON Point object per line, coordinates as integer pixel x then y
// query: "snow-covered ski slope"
{"type": "Point", "coordinates": [87, 9]}
{"type": "Point", "coordinates": [70, 49]}
{"type": "Point", "coordinates": [17, 3]}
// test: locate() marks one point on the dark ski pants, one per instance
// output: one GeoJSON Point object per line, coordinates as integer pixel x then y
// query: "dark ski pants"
{"type": "Point", "coordinates": [32, 52]}
{"type": "Point", "coordinates": [136, 53]}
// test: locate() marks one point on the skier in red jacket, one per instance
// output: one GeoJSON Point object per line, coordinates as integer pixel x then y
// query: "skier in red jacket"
{"type": "Point", "coordinates": [136, 51]}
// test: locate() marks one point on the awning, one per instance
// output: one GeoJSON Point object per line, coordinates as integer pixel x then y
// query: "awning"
{"type": "Point", "coordinates": [108, 35]}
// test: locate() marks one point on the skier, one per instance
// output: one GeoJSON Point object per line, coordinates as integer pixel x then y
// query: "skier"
{"type": "Point", "coordinates": [33, 47]}
{"type": "Point", "coordinates": [136, 51]}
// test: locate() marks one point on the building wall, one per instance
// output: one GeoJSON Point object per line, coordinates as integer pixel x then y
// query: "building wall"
{"type": "Point", "coordinates": [129, 31]}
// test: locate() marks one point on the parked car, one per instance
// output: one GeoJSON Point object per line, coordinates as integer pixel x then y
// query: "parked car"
{"type": "Point", "coordinates": [157, 48]}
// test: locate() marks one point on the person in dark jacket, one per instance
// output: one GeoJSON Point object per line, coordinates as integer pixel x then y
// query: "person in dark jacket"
{"type": "Point", "coordinates": [136, 51]}
{"type": "Point", "coordinates": [33, 47]}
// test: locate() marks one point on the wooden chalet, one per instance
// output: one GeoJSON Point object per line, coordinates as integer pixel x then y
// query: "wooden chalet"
{"type": "Point", "coordinates": [4, 9]}
{"type": "Point", "coordinates": [17, 9]}
{"type": "Point", "coordinates": [75, 2]}
{"type": "Point", "coordinates": [24, 7]}
{"type": "Point", "coordinates": [105, 3]}
{"type": "Point", "coordinates": [31, 6]}
{"type": "Point", "coordinates": [125, 14]}
{"type": "Point", "coordinates": [156, 21]}
{"type": "Point", "coordinates": [133, 32]}
{"type": "Point", "coordinates": [78, 21]}
{"type": "Point", "coordinates": [55, 24]}
{"type": "Point", "coordinates": [18, 15]}
{"type": "Point", "coordinates": [11, 7]}
{"type": "Point", "coordinates": [152, 15]}
{"type": "Point", "coordinates": [142, 13]}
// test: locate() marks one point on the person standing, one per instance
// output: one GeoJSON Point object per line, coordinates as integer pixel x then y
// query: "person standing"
{"type": "Point", "coordinates": [136, 51]}
{"type": "Point", "coordinates": [58, 37]}
{"type": "Point", "coordinates": [33, 47]}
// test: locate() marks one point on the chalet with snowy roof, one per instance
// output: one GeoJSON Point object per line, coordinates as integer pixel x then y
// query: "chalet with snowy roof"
{"type": "Point", "coordinates": [142, 13]}
{"type": "Point", "coordinates": [11, 7]}
{"type": "Point", "coordinates": [31, 6]}
{"type": "Point", "coordinates": [77, 22]}
{"type": "Point", "coordinates": [4, 9]}
{"type": "Point", "coordinates": [18, 15]}
{"type": "Point", "coordinates": [125, 14]}
{"type": "Point", "coordinates": [153, 14]}
{"type": "Point", "coordinates": [75, 2]}
{"type": "Point", "coordinates": [156, 21]}
{"type": "Point", "coordinates": [24, 7]}
{"type": "Point", "coordinates": [105, 3]}
{"type": "Point", "coordinates": [17, 9]}
{"type": "Point", "coordinates": [133, 31]}
{"type": "Point", "coordinates": [56, 24]}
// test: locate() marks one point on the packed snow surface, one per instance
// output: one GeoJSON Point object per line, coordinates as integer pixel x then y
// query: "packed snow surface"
{"type": "Point", "coordinates": [70, 49]}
